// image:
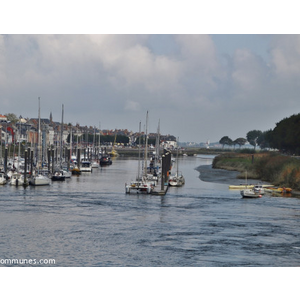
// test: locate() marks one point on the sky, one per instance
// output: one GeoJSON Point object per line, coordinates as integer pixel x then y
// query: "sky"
{"type": "Point", "coordinates": [199, 86]}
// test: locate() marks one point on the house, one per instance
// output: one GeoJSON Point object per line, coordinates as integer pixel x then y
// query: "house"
{"type": "Point", "coordinates": [3, 118]}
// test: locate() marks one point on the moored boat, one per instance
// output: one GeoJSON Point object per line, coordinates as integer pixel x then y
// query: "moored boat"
{"type": "Point", "coordinates": [39, 180]}
{"type": "Point", "coordinates": [105, 160]}
{"type": "Point", "coordinates": [279, 190]}
{"type": "Point", "coordinates": [250, 193]}
{"type": "Point", "coordinates": [176, 180]}
{"type": "Point", "coordinates": [58, 176]}
{"type": "Point", "coordinates": [245, 186]}
{"type": "Point", "coordinates": [139, 186]}
{"type": "Point", "coordinates": [86, 166]}
{"type": "Point", "coordinates": [17, 179]}
{"type": "Point", "coordinates": [2, 179]}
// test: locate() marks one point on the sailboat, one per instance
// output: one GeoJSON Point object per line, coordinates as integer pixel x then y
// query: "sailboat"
{"type": "Point", "coordinates": [141, 184]}
{"type": "Point", "coordinates": [177, 179]}
{"type": "Point", "coordinates": [38, 179]}
{"type": "Point", "coordinates": [250, 192]}
{"type": "Point", "coordinates": [113, 152]}
{"type": "Point", "coordinates": [59, 175]}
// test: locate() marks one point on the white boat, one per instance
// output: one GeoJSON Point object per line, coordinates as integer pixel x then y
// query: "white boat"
{"type": "Point", "coordinates": [258, 188]}
{"type": "Point", "coordinates": [250, 193]}
{"type": "Point", "coordinates": [58, 176]}
{"type": "Point", "coordinates": [139, 186]}
{"type": "Point", "coordinates": [2, 179]}
{"type": "Point", "coordinates": [95, 164]}
{"type": "Point", "coordinates": [86, 166]}
{"type": "Point", "coordinates": [17, 179]}
{"type": "Point", "coordinates": [39, 179]}
{"type": "Point", "coordinates": [244, 186]}
{"type": "Point", "coordinates": [176, 180]}
{"type": "Point", "coordinates": [66, 173]}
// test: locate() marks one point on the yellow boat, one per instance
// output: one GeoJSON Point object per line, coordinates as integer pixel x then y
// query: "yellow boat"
{"type": "Point", "coordinates": [280, 190]}
{"type": "Point", "coordinates": [248, 186]}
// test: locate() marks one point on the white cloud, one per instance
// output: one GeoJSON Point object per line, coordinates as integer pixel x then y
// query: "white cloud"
{"type": "Point", "coordinates": [285, 52]}
{"type": "Point", "coordinates": [117, 78]}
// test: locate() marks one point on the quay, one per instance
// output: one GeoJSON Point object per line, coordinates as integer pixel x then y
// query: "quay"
{"type": "Point", "coordinates": [158, 191]}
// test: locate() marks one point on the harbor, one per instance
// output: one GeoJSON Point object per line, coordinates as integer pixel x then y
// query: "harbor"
{"type": "Point", "coordinates": [89, 221]}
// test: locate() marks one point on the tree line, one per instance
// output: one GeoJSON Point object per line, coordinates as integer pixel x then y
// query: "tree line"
{"type": "Point", "coordinates": [285, 137]}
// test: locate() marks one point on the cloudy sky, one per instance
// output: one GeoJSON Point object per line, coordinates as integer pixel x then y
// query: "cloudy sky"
{"type": "Point", "coordinates": [201, 87]}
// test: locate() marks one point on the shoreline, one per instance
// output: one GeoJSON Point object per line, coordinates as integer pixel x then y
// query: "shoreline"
{"type": "Point", "coordinates": [208, 174]}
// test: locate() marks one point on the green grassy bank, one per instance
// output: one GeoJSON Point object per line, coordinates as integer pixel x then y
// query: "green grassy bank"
{"type": "Point", "coordinates": [272, 167]}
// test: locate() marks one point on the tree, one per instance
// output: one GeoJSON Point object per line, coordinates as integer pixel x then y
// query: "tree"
{"type": "Point", "coordinates": [252, 137]}
{"type": "Point", "coordinates": [286, 135]}
{"type": "Point", "coordinates": [225, 140]}
{"type": "Point", "coordinates": [12, 118]}
{"type": "Point", "coordinates": [262, 140]}
{"type": "Point", "coordinates": [240, 141]}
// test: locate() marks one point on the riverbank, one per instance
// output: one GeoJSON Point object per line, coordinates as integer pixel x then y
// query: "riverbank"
{"type": "Point", "coordinates": [134, 152]}
{"type": "Point", "coordinates": [274, 168]}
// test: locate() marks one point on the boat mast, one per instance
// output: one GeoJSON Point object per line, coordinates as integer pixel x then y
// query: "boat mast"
{"type": "Point", "coordinates": [39, 138]}
{"type": "Point", "coordinates": [61, 135]}
{"type": "Point", "coordinates": [139, 162]}
{"type": "Point", "coordinates": [157, 142]}
{"type": "Point", "coordinates": [71, 150]}
{"type": "Point", "coordinates": [146, 148]}
{"type": "Point", "coordinates": [177, 162]}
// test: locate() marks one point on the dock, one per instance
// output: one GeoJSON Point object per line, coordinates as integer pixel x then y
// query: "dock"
{"type": "Point", "coordinates": [158, 191]}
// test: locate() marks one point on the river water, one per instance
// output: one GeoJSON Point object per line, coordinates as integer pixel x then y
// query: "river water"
{"type": "Point", "coordinates": [90, 221]}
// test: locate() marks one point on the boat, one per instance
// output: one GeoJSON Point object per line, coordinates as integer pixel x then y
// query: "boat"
{"type": "Point", "coordinates": [17, 179]}
{"type": "Point", "coordinates": [76, 171]}
{"type": "Point", "coordinates": [177, 179]}
{"type": "Point", "coordinates": [105, 160]}
{"type": "Point", "coordinates": [279, 190]}
{"type": "Point", "coordinates": [95, 164]}
{"type": "Point", "coordinates": [139, 186]}
{"type": "Point", "coordinates": [244, 186]}
{"type": "Point", "coordinates": [145, 183]}
{"type": "Point", "coordinates": [67, 173]}
{"type": "Point", "coordinates": [258, 188]}
{"type": "Point", "coordinates": [58, 176]}
{"type": "Point", "coordinates": [250, 193]}
{"type": "Point", "coordinates": [113, 152]}
{"type": "Point", "coordinates": [38, 179]}
{"type": "Point", "coordinates": [86, 166]}
{"type": "Point", "coordinates": [2, 179]}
